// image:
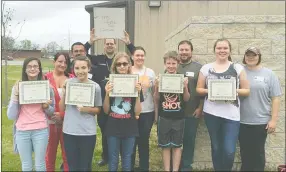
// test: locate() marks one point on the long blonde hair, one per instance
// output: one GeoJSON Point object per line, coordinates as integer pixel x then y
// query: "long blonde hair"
{"type": "Point", "coordinates": [115, 59]}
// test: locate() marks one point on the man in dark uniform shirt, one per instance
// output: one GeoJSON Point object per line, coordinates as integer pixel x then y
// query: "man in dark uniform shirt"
{"type": "Point", "coordinates": [99, 71]}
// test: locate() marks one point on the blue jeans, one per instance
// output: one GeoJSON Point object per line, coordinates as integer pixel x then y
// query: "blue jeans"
{"type": "Point", "coordinates": [79, 151]}
{"type": "Point", "coordinates": [29, 141]}
{"type": "Point", "coordinates": [127, 146]}
{"type": "Point", "coordinates": [224, 135]}
{"type": "Point", "coordinates": [190, 133]}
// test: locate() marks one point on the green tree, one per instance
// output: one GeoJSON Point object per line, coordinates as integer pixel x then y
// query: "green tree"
{"type": "Point", "coordinates": [26, 44]}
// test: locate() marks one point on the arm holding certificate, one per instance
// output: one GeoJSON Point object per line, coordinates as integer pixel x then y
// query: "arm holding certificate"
{"type": "Point", "coordinates": [106, 104]}
{"type": "Point", "coordinates": [68, 99]}
{"type": "Point", "coordinates": [223, 89]}
{"type": "Point", "coordinates": [13, 108]}
{"type": "Point", "coordinates": [81, 91]}
{"type": "Point", "coordinates": [244, 88]}
{"type": "Point", "coordinates": [186, 94]}
{"type": "Point", "coordinates": [49, 106]}
{"type": "Point", "coordinates": [201, 85]}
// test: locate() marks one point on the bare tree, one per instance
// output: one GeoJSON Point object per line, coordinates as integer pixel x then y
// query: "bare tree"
{"type": "Point", "coordinates": [6, 25]}
{"type": "Point", "coordinates": [35, 46]}
{"type": "Point", "coordinates": [52, 47]}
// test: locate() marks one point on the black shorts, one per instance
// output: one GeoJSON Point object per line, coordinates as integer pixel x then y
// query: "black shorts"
{"type": "Point", "coordinates": [170, 132]}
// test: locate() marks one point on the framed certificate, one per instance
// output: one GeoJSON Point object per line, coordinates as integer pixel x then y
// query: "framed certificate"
{"type": "Point", "coordinates": [171, 83]}
{"type": "Point", "coordinates": [81, 94]}
{"type": "Point", "coordinates": [222, 89]}
{"type": "Point", "coordinates": [123, 85]}
{"type": "Point", "coordinates": [31, 92]}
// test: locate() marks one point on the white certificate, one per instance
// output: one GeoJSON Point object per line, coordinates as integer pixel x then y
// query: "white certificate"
{"type": "Point", "coordinates": [109, 22]}
{"type": "Point", "coordinates": [81, 94]}
{"type": "Point", "coordinates": [31, 92]}
{"type": "Point", "coordinates": [171, 83]}
{"type": "Point", "coordinates": [222, 89]}
{"type": "Point", "coordinates": [124, 85]}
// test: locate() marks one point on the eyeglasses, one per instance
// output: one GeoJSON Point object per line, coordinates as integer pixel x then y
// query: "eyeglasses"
{"type": "Point", "coordinates": [32, 67]}
{"type": "Point", "coordinates": [120, 64]}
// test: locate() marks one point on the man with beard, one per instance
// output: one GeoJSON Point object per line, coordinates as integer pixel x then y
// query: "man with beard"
{"type": "Point", "coordinates": [194, 106]}
{"type": "Point", "coordinates": [99, 71]}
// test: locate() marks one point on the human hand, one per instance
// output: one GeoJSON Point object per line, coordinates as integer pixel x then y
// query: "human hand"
{"type": "Point", "coordinates": [126, 38]}
{"type": "Point", "coordinates": [47, 104]}
{"type": "Point", "coordinates": [138, 87]}
{"type": "Point", "coordinates": [57, 118]}
{"type": "Point", "coordinates": [80, 108]}
{"type": "Point", "coordinates": [93, 37]}
{"type": "Point", "coordinates": [271, 126]}
{"type": "Point", "coordinates": [15, 96]}
{"type": "Point", "coordinates": [198, 113]}
{"type": "Point", "coordinates": [186, 81]}
{"type": "Point", "coordinates": [108, 87]}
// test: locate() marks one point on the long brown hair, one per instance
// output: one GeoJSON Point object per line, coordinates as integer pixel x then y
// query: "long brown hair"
{"type": "Point", "coordinates": [113, 69]}
{"type": "Point", "coordinates": [28, 60]}
{"type": "Point", "coordinates": [221, 40]}
{"type": "Point", "coordinates": [68, 61]}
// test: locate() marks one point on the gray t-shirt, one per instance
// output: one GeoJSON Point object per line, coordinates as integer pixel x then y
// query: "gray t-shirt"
{"type": "Point", "coordinates": [256, 108]}
{"type": "Point", "coordinates": [81, 123]}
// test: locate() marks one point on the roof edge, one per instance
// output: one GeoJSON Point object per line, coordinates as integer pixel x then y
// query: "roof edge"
{"type": "Point", "coordinates": [89, 8]}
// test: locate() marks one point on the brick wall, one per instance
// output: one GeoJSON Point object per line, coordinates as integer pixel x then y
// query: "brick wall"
{"type": "Point", "coordinates": [265, 32]}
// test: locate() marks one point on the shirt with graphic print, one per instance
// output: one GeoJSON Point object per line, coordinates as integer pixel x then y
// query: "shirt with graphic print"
{"type": "Point", "coordinates": [171, 105]}
{"type": "Point", "coordinates": [147, 80]}
{"type": "Point", "coordinates": [121, 118]}
{"type": "Point", "coordinates": [228, 109]}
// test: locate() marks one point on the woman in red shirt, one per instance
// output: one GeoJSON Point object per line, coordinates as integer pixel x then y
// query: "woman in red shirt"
{"type": "Point", "coordinates": [57, 79]}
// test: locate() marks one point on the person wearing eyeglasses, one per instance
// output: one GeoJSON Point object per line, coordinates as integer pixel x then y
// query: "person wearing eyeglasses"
{"type": "Point", "coordinates": [122, 126]}
{"type": "Point", "coordinates": [31, 128]}
{"type": "Point", "coordinates": [101, 65]}
{"type": "Point", "coordinates": [258, 112]}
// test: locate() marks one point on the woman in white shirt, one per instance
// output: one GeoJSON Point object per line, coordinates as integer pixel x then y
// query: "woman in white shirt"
{"type": "Point", "coordinates": [222, 117]}
{"type": "Point", "coordinates": [147, 115]}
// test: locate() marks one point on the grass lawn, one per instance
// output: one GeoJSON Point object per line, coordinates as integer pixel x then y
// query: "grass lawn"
{"type": "Point", "coordinates": [11, 161]}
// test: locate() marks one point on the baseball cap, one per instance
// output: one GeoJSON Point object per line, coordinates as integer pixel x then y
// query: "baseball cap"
{"type": "Point", "coordinates": [253, 49]}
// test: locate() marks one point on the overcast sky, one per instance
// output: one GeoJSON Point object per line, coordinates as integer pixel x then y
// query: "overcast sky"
{"type": "Point", "coordinates": [48, 21]}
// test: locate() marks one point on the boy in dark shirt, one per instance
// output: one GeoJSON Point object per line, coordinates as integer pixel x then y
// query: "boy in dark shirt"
{"type": "Point", "coordinates": [171, 116]}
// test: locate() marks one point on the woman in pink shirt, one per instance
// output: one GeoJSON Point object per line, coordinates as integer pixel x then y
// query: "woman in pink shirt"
{"type": "Point", "coordinates": [30, 126]}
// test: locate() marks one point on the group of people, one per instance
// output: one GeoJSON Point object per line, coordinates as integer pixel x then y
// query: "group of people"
{"type": "Point", "coordinates": [126, 122]}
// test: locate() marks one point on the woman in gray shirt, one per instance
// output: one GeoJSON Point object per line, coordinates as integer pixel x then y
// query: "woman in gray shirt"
{"type": "Point", "coordinates": [259, 111]}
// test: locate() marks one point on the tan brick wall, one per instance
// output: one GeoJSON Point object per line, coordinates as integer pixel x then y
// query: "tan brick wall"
{"type": "Point", "coordinates": [265, 32]}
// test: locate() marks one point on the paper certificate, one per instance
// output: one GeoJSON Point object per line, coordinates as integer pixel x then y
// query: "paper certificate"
{"type": "Point", "coordinates": [81, 94]}
{"type": "Point", "coordinates": [222, 89]}
{"type": "Point", "coordinates": [171, 83]}
{"type": "Point", "coordinates": [124, 85]}
{"type": "Point", "coordinates": [109, 22]}
{"type": "Point", "coordinates": [31, 92]}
